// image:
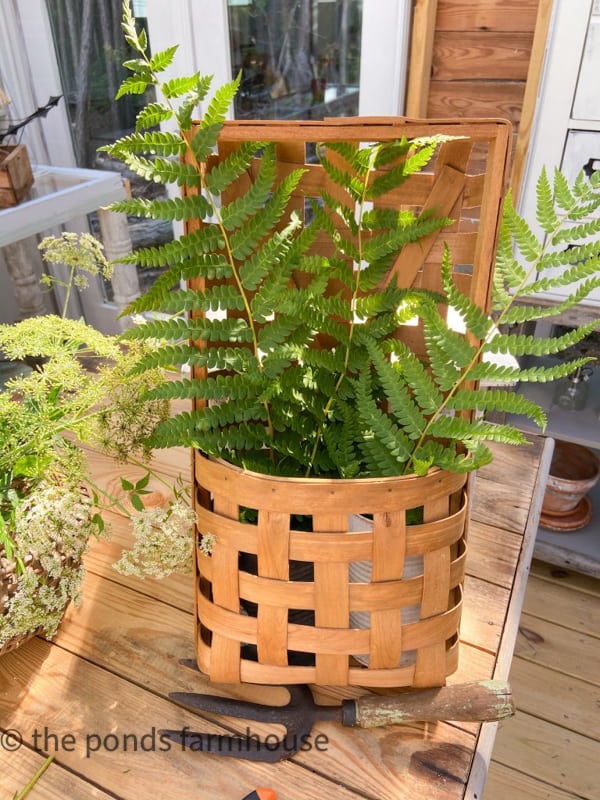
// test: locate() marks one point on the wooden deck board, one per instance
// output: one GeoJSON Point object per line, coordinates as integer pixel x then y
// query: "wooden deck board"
{"type": "Point", "coordinates": [550, 750]}
{"type": "Point", "coordinates": [115, 660]}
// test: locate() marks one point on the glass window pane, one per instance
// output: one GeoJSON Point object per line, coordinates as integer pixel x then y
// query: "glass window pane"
{"type": "Point", "coordinates": [90, 50]}
{"type": "Point", "coordinates": [300, 59]}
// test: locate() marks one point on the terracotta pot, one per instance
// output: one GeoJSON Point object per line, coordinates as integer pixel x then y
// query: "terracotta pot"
{"type": "Point", "coordinates": [573, 472]}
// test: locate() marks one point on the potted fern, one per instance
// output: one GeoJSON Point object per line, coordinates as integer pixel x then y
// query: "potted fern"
{"type": "Point", "coordinates": [327, 377]}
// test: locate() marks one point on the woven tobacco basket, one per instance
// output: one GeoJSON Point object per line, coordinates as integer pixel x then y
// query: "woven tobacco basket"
{"type": "Point", "coordinates": [274, 603]}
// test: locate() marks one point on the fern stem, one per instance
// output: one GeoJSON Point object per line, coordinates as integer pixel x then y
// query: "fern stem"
{"type": "Point", "coordinates": [186, 136]}
{"type": "Point", "coordinates": [330, 402]}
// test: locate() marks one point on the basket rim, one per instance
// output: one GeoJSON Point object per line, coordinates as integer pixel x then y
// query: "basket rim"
{"type": "Point", "coordinates": [432, 472]}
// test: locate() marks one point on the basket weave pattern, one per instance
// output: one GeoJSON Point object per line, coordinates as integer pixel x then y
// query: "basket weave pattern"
{"type": "Point", "coordinates": [264, 645]}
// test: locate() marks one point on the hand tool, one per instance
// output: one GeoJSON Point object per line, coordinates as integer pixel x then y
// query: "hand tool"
{"type": "Point", "coordinates": [479, 701]}
{"type": "Point", "coordinates": [261, 794]}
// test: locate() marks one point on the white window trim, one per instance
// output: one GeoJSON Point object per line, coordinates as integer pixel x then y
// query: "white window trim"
{"type": "Point", "coordinates": [30, 71]}
{"type": "Point", "coordinates": [201, 29]}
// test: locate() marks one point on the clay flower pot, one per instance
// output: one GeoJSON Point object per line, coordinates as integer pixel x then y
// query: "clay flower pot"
{"type": "Point", "coordinates": [573, 473]}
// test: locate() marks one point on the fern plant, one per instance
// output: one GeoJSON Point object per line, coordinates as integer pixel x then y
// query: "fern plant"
{"type": "Point", "coordinates": [268, 396]}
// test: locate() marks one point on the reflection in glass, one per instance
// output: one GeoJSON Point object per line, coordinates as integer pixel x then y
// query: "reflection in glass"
{"type": "Point", "coordinates": [300, 59]}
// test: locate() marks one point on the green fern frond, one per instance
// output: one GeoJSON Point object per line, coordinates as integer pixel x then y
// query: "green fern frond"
{"type": "Point", "coordinates": [193, 206]}
{"type": "Point", "coordinates": [570, 256]}
{"type": "Point", "coordinates": [343, 179]}
{"type": "Point", "coordinates": [163, 143]}
{"type": "Point", "coordinates": [545, 211]}
{"type": "Point", "coordinates": [497, 373]}
{"type": "Point", "coordinates": [391, 379]}
{"type": "Point", "coordinates": [508, 271]}
{"type": "Point", "coordinates": [417, 158]}
{"type": "Point", "coordinates": [578, 272]}
{"type": "Point", "coordinates": [445, 372]}
{"type": "Point", "coordinates": [474, 317]}
{"type": "Point", "coordinates": [576, 233]}
{"type": "Point", "coordinates": [221, 175]}
{"type": "Point", "coordinates": [497, 400]}
{"type": "Point", "coordinates": [213, 298]}
{"type": "Point", "coordinates": [163, 59]}
{"type": "Point", "coordinates": [207, 133]}
{"type": "Point", "coordinates": [177, 87]}
{"type": "Point", "coordinates": [523, 313]}
{"type": "Point", "coordinates": [523, 345]}
{"type": "Point", "coordinates": [230, 412]}
{"type": "Point", "coordinates": [136, 41]}
{"type": "Point", "coordinates": [381, 434]}
{"type": "Point", "coordinates": [417, 377]}
{"type": "Point", "coordinates": [455, 348]}
{"type": "Point", "coordinates": [152, 115]}
{"type": "Point", "coordinates": [565, 199]}
{"type": "Point", "coordinates": [166, 357]}
{"type": "Point", "coordinates": [524, 237]}
{"type": "Point", "coordinates": [212, 267]}
{"type": "Point", "coordinates": [159, 170]}
{"type": "Point", "coordinates": [357, 160]}
{"type": "Point", "coordinates": [205, 240]}
{"type": "Point", "coordinates": [185, 113]}
{"type": "Point", "coordinates": [176, 330]}
{"type": "Point", "coordinates": [434, 453]}
{"type": "Point", "coordinates": [237, 212]}
{"type": "Point", "coordinates": [244, 241]}
{"type": "Point", "coordinates": [134, 84]}
{"type": "Point", "coordinates": [182, 389]}
{"type": "Point", "coordinates": [269, 268]}
{"type": "Point", "coordinates": [446, 427]}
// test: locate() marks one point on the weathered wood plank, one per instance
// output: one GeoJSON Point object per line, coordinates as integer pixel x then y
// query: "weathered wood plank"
{"type": "Point", "coordinates": [574, 704]}
{"type": "Point", "coordinates": [504, 782]}
{"type": "Point", "coordinates": [492, 553]}
{"type": "Point", "coordinates": [486, 15]}
{"type": "Point", "coordinates": [393, 762]}
{"type": "Point", "coordinates": [560, 576]}
{"type": "Point", "coordinates": [561, 605]}
{"type": "Point", "coordinates": [502, 100]}
{"type": "Point", "coordinates": [56, 782]}
{"type": "Point", "coordinates": [559, 648]}
{"type": "Point", "coordinates": [460, 55]}
{"type": "Point", "coordinates": [566, 760]}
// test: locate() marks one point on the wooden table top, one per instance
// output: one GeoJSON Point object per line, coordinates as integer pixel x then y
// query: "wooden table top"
{"type": "Point", "coordinates": [97, 697]}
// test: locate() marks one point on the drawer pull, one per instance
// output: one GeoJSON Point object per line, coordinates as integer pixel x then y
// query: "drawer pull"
{"type": "Point", "coordinates": [593, 165]}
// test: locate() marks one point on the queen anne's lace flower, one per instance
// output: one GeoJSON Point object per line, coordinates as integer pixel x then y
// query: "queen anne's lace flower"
{"type": "Point", "coordinates": [52, 526]}
{"type": "Point", "coordinates": [163, 542]}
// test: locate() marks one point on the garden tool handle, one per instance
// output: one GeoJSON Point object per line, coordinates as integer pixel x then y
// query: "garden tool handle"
{"type": "Point", "coordinates": [481, 701]}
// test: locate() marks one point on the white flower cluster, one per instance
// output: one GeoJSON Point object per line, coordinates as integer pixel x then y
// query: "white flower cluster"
{"type": "Point", "coordinates": [163, 542]}
{"type": "Point", "coordinates": [53, 526]}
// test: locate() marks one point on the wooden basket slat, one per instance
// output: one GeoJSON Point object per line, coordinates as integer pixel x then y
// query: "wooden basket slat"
{"type": "Point", "coordinates": [384, 595]}
{"type": "Point", "coordinates": [254, 489]}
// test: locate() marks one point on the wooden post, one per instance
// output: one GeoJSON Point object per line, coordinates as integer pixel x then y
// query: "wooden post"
{"type": "Point", "coordinates": [20, 259]}
{"type": "Point", "coordinates": [421, 55]}
{"type": "Point", "coordinates": [117, 244]}
{"type": "Point", "coordinates": [534, 74]}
